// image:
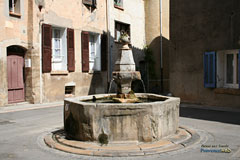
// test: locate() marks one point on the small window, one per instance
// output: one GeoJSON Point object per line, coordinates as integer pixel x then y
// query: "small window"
{"type": "Point", "coordinates": [14, 8]}
{"type": "Point", "coordinates": [118, 4]}
{"type": "Point", "coordinates": [69, 90]}
{"type": "Point", "coordinates": [228, 69]}
{"type": "Point", "coordinates": [59, 49]}
{"type": "Point", "coordinates": [94, 52]}
{"type": "Point", "coordinates": [92, 3]}
{"type": "Point", "coordinates": [231, 70]}
{"type": "Point", "coordinates": [119, 27]}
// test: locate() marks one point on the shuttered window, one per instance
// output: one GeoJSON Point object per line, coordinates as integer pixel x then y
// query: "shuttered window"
{"type": "Point", "coordinates": [209, 69]}
{"type": "Point", "coordinates": [70, 50]}
{"type": "Point", "coordinates": [46, 48]}
{"type": "Point", "coordinates": [94, 52]}
{"type": "Point", "coordinates": [57, 50]}
{"type": "Point", "coordinates": [85, 51]}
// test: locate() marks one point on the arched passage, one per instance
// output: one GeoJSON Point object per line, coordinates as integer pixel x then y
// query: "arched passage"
{"type": "Point", "coordinates": [15, 74]}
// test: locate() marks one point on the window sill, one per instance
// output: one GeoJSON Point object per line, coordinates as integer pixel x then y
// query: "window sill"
{"type": "Point", "coordinates": [69, 95]}
{"type": "Point", "coordinates": [59, 72]}
{"type": "Point", "coordinates": [17, 15]}
{"type": "Point", "coordinates": [118, 7]}
{"type": "Point", "coordinates": [229, 91]}
{"type": "Point", "coordinates": [93, 72]}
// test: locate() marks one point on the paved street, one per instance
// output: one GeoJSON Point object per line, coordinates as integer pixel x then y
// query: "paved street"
{"type": "Point", "coordinates": [22, 132]}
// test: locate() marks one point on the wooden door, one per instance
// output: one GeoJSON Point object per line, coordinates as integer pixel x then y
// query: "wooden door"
{"type": "Point", "coordinates": [15, 65]}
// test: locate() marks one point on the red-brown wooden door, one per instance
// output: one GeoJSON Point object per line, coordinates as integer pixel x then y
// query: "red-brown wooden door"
{"type": "Point", "coordinates": [15, 79]}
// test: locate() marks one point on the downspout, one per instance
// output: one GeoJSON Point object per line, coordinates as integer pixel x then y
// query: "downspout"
{"type": "Point", "coordinates": [109, 41]}
{"type": "Point", "coordinates": [40, 55]}
{"type": "Point", "coordinates": [161, 55]}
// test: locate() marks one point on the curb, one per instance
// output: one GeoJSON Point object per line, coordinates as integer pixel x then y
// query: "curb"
{"type": "Point", "coordinates": [25, 107]}
{"type": "Point", "coordinates": [182, 139]}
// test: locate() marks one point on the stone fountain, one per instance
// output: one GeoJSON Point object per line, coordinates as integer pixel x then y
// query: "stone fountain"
{"type": "Point", "coordinates": [121, 117]}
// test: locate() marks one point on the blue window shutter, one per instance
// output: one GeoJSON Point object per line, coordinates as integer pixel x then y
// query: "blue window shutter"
{"type": "Point", "coordinates": [210, 69]}
{"type": "Point", "coordinates": [239, 69]}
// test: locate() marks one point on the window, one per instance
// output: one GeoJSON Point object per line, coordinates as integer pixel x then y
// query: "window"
{"type": "Point", "coordinates": [14, 7]}
{"type": "Point", "coordinates": [119, 27]}
{"type": "Point", "coordinates": [69, 91]}
{"type": "Point", "coordinates": [222, 69]}
{"type": "Point", "coordinates": [94, 52]}
{"type": "Point", "coordinates": [118, 4]}
{"type": "Point", "coordinates": [92, 3]}
{"type": "Point", "coordinates": [59, 49]}
{"type": "Point", "coordinates": [228, 69]}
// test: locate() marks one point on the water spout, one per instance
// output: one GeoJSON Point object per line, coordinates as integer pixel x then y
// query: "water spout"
{"type": "Point", "coordinates": [144, 88]}
{"type": "Point", "coordinates": [110, 86]}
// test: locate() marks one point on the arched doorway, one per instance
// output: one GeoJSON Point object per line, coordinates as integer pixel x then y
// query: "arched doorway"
{"type": "Point", "coordinates": [15, 74]}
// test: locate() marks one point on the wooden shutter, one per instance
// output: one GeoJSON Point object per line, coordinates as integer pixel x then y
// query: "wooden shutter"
{"type": "Point", "coordinates": [85, 51]}
{"type": "Point", "coordinates": [210, 70]}
{"type": "Point", "coordinates": [239, 69]}
{"type": "Point", "coordinates": [104, 55]}
{"type": "Point", "coordinates": [70, 50]}
{"type": "Point", "coordinates": [46, 48]}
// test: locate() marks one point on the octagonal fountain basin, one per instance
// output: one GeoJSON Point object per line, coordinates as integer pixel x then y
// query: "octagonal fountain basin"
{"type": "Point", "coordinates": [150, 119]}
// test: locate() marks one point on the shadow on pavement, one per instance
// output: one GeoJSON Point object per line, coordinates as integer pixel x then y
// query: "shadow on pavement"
{"type": "Point", "coordinates": [210, 115]}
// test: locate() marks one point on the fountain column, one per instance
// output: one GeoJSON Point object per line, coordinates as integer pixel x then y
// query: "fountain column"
{"type": "Point", "coordinates": [125, 71]}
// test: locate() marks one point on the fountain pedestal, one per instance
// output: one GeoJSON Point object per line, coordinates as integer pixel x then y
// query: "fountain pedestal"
{"type": "Point", "coordinates": [125, 71]}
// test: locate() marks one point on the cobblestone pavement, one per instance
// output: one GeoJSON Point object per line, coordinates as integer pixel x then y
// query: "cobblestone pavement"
{"type": "Point", "coordinates": [22, 131]}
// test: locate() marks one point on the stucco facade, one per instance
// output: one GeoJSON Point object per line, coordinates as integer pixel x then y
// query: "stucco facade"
{"type": "Point", "coordinates": [25, 31]}
{"type": "Point", "coordinates": [198, 27]}
{"type": "Point", "coordinates": [157, 24]}
{"type": "Point", "coordinates": [14, 31]}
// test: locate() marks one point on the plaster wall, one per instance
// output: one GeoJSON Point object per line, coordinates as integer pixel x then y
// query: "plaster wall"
{"type": "Point", "coordinates": [26, 32]}
{"type": "Point", "coordinates": [197, 27]}
{"type": "Point", "coordinates": [153, 31]}
{"type": "Point", "coordinates": [79, 17]}
{"type": "Point", "coordinates": [13, 31]}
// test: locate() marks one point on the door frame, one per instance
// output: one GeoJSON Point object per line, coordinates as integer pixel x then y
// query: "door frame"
{"type": "Point", "coordinates": [20, 52]}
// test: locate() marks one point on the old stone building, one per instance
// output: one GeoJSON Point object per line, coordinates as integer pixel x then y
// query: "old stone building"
{"type": "Point", "coordinates": [204, 52]}
{"type": "Point", "coordinates": [54, 49]}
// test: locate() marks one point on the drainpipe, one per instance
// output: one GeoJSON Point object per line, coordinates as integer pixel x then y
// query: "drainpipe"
{"type": "Point", "coordinates": [109, 40]}
{"type": "Point", "coordinates": [40, 57]}
{"type": "Point", "coordinates": [161, 56]}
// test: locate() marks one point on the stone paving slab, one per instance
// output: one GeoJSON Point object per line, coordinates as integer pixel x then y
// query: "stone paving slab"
{"type": "Point", "coordinates": [182, 139]}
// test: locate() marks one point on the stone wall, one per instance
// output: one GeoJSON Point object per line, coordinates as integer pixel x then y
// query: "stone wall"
{"type": "Point", "coordinates": [197, 27]}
